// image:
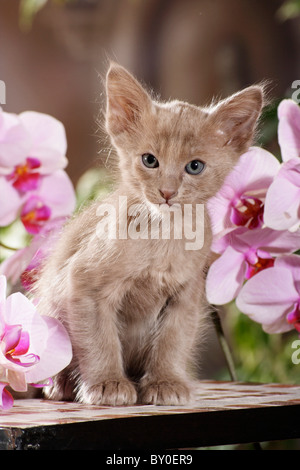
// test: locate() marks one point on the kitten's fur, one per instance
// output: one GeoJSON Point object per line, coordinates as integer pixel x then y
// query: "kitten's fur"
{"type": "Point", "coordinates": [135, 309]}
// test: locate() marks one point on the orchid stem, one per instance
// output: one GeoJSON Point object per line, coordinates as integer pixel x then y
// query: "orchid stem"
{"type": "Point", "coordinates": [8, 247]}
{"type": "Point", "coordinates": [224, 345]}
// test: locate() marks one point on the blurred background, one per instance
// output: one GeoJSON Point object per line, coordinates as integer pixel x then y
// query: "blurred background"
{"type": "Point", "coordinates": [54, 54]}
{"type": "Point", "coordinates": [53, 58]}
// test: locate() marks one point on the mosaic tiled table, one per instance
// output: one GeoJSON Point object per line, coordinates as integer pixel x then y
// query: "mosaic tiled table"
{"type": "Point", "coordinates": [222, 413]}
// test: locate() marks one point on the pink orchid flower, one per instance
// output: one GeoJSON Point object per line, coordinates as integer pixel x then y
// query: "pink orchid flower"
{"type": "Point", "coordinates": [272, 297]}
{"type": "Point", "coordinates": [25, 263]}
{"type": "Point", "coordinates": [32, 158]}
{"type": "Point", "coordinates": [282, 207]}
{"type": "Point", "coordinates": [240, 201]}
{"type": "Point", "coordinates": [32, 347]}
{"type": "Point", "coordinates": [31, 144]}
{"type": "Point", "coordinates": [54, 198]}
{"type": "Point", "coordinates": [243, 254]}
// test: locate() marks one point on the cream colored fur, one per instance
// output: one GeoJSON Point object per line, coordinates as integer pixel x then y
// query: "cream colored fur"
{"type": "Point", "coordinates": [136, 309]}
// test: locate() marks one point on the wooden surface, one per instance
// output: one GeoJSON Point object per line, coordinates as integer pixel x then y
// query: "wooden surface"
{"type": "Point", "coordinates": [222, 413]}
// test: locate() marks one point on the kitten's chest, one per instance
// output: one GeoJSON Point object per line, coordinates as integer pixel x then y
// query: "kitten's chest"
{"type": "Point", "coordinates": [163, 273]}
{"type": "Point", "coordinates": [170, 266]}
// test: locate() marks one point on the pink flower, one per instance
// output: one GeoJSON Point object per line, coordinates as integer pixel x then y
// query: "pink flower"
{"type": "Point", "coordinates": [243, 254]}
{"type": "Point", "coordinates": [24, 264]}
{"type": "Point", "coordinates": [272, 297]}
{"type": "Point", "coordinates": [32, 347]}
{"type": "Point", "coordinates": [34, 214]}
{"type": "Point", "coordinates": [30, 144]}
{"type": "Point", "coordinates": [240, 201]}
{"type": "Point", "coordinates": [282, 207]}
{"type": "Point", "coordinates": [262, 198]}
{"type": "Point", "coordinates": [54, 198]}
{"type": "Point", "coordinates": [32, 158]}
{"type": "Point", "coordinates": [23, 177]}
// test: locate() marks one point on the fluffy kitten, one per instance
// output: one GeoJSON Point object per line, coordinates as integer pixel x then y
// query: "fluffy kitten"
{"type": "Point", "coordinates": [135, 306]}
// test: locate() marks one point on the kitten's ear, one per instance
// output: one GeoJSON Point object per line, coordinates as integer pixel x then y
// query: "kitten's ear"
{"type": "Point", "coordinates": [126, 100]}
{"type": "Point", "coordinates": [236, 117]}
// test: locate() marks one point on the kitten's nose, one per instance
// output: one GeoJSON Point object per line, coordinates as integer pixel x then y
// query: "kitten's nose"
{"type": "Point", "coordinates": [168, 193]}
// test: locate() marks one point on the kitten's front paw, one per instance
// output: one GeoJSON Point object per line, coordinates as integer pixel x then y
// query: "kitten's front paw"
{"type": "Point", "coordinates": [163, 392]}
{"type": "Point", "coordinates": [109, 392]}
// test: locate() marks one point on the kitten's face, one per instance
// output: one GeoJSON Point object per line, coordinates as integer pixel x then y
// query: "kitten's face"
{"type": "Point", "coordinates": [175, 160]}
{"type": "Point", "coordinates": [175, 152]}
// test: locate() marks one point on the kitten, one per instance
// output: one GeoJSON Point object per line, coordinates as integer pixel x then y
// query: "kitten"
{"type": "Point", "coordinates": [134, 306]}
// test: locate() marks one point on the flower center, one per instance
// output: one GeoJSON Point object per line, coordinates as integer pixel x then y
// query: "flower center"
{"type": "Point", "coordinates": [24, 178]}
{"type": "Point", "coordinates": [247, 210]}
{"type": "Point", "coordinates": [255, 264]}
{"type": "Point", "coordinates": [34, 214]}
{"type": "Point", "coordinates": [293, 318]}
{"type": "Point", "coordinates": [15, 345]}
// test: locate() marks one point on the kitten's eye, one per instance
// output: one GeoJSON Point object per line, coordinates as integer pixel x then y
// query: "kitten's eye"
{"type": "Point", "coordinates": [195, 167]}
{"type": "Point", "coordinates": [149, 160]}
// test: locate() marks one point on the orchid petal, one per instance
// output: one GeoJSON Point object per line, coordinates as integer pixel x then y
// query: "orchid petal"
{"type": "Point", "coordinates": [260, 241]}
{"type": "Point", "coordinates": [14, 142]}
{"type": "Point", "coordinates": [251, 177]}
{"type": "Point", "coordinates": [9, 209]}
{"type": "Point", "coordinates": [238, 218]}
{"type": "Point", "coordinates": [23, 344]}
{"type": "Point", "coordinates": [225, 277]}
{"type": "Point", "coordinates": [3, 287]}
{"type": "Point", "coordinates": [49, 142]}
{"type": "Point", "coordinates": [289, 129]}
{"type": "Point", "coordinates": [268, 296]}
{"type": "Point", "coordinates": [25, 181]}
{"type": "Point", "coordinates": [19, 310]}
{"type": "Point", "coordinates": [291, 171]}
{"type": "Point", "coordinates": [282, 205]}
{"type": "Point", "coordinates": [293, 316]}
{"type": "Point", "coordinates": [13, 266]}
{"type": "Point", "coordinates": [255, 171]}
{"type": "Point", "coordinates": [34, 214]}
{"type": "Point", "coordinates": [11, 337]}
{"type": "Point", "coordinates": [47, 383]}
{"type": "Point", "coordinates": [31, 360]}
{"type": "Point", "coordinates": [292, 263]}
{"type": "Point", "coordinates": [266, 240]}
{"type": "Point", "coordinates": [6, 399]}
{"type": "Point", "coordinates": [33, 254]}
{"type": "Point", "coordinates": [17, 380]}
{"type": "Point", "coordinates": [56, 355]}
{"type": "Point", "coordinates": [278, 326]}
{"type": "Point", "coordinates": [32, 347]}
{"type": "Point", "coordinates": [248, 211]}
{"type": "Point", "coordinates": [58, 193]}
